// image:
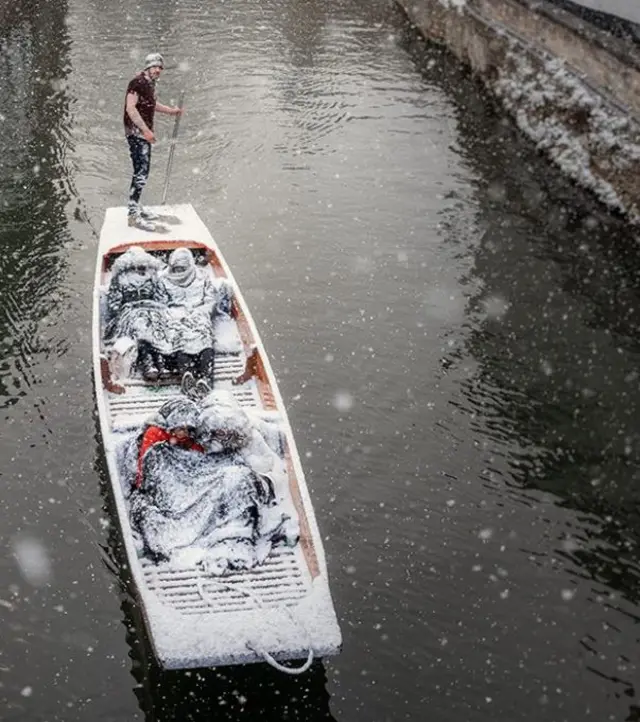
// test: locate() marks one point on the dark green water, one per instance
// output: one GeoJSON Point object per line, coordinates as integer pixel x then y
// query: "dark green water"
{"type": "Point", "coordinates": [454, 329]}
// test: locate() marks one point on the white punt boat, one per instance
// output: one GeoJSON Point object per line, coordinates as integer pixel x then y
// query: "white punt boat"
{"type": "Point", "coordinates": [279, 610]}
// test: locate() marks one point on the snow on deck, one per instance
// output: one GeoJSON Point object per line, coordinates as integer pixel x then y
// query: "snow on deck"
{"type": "Point", "coordinates": [140, 401]}
{"type": "Point", "coordinates": [182, 224]}
{"type": "Point", "coordinates": [195, 619]}
{"type": "Point", "coordinates": [282, 579]}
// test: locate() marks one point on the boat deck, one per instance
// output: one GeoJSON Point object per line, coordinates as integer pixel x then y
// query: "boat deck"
{"type": "Point", "coordinates": [195, 617]}
{"type": "Point", "coordinates": [141, 400]}
{"type": "Point", "coordinates": [282, 579]}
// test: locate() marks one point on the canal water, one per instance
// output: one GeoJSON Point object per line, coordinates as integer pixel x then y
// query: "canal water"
{"type": "Point", "coordinates": [454, 329]}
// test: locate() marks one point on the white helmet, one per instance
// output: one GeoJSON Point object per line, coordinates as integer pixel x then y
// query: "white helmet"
{"type": "Point", "coordinates": [153, 60]}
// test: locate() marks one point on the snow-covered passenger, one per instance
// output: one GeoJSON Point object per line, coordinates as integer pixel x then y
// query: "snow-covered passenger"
{"type": "Point", "coordinates": [203, 498]}
{"type": "Point", "coordinates": [175, 423]}
{"type": "Point", "coordinates": [193, 300]}
{"type": "Point", "coordinates": [137, 308]}
{"type": "Point", "coordinates": [223, 422]}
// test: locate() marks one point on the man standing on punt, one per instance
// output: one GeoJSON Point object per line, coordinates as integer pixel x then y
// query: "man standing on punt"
{"type": "Point", "coordinates": [139, 110]}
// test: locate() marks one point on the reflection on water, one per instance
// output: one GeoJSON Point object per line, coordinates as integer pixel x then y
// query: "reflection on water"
{"type": "Point", "coordinates": [34, 187]}
{"type": "Point", "coordinates": [554, 391]}
{"type": "Point", "coordinates": [556, 334]}
{"type": "Point", "coordinates": [251, 692]}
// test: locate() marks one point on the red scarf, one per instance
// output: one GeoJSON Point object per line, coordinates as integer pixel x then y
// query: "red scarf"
{"type": "Point", "coordinates": [157, 435]}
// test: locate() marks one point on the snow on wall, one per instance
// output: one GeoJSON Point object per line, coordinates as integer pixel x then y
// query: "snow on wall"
{"type": "Point", "coordinates": [626, 9]}
{"type": "Point", "coordinates": [593, 139]}
{"type": "Point", "coordinates": [457, 4]}
{"type": "Point", "coordinates": [570, 122]}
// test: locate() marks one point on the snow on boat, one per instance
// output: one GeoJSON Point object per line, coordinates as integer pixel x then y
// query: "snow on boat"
{"type": "Point", "coordinates": [222, 543]}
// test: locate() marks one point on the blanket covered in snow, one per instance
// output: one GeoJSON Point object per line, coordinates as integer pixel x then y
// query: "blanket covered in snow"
{"type": "Point", "coordinates": [172, 308]}
{"type": "Point", "coordinates": [224, 502]}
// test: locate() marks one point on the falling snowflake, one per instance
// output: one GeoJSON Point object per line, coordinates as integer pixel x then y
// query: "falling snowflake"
{"type": "Point", "coordinates": [546, 367]}
{"type": "Point", "coordinates": [343, 401]}
{"type": "Point", "coordinates": [33, 560]}
{"type": "Point", "coordinates": [495, 307]}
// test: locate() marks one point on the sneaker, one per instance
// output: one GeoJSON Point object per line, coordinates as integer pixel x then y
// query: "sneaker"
{"type": "Point", "coordinates": [202, 388]}
{"type": "Point", "coordinates": [187, 387]}
{"type": "Point", "coordinates": [148, 367]}
{"type": "Point", "coordinates": [164, 372]}
{"type": "Point", "coordinates": [148, 215]}
{"type": "Point", "coordinates": [150, 373]}
{"type": "Point", "coordinates": [139, 222]}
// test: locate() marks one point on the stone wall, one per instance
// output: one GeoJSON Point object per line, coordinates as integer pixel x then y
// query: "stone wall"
{"type": "Point", "coordinates": [625, 9]}
{"type": "Point", "coordinates": [572, 88]}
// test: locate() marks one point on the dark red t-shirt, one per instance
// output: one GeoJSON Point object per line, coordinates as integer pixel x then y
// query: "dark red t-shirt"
{"type": "Point", "coordinates": [145, 89]}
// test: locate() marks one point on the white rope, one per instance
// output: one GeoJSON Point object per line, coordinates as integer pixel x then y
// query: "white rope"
{"type": "Point", "coordinates": [280, 667]}
{"type": "Point", "coordinates": [261, 652]}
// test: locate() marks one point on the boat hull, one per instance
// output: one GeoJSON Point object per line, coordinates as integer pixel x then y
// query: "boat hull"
{"type": "Point", "coordinates": [279, 610]}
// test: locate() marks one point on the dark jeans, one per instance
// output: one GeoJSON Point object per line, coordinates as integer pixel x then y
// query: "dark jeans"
{"type": "Point", "coordinates": [140, 151]}
{"type": "Point", "coordinates": [201, 365]}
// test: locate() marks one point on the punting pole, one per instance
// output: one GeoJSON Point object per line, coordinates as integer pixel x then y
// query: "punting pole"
{"type": "Point", "coordinates": [174, 137]}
